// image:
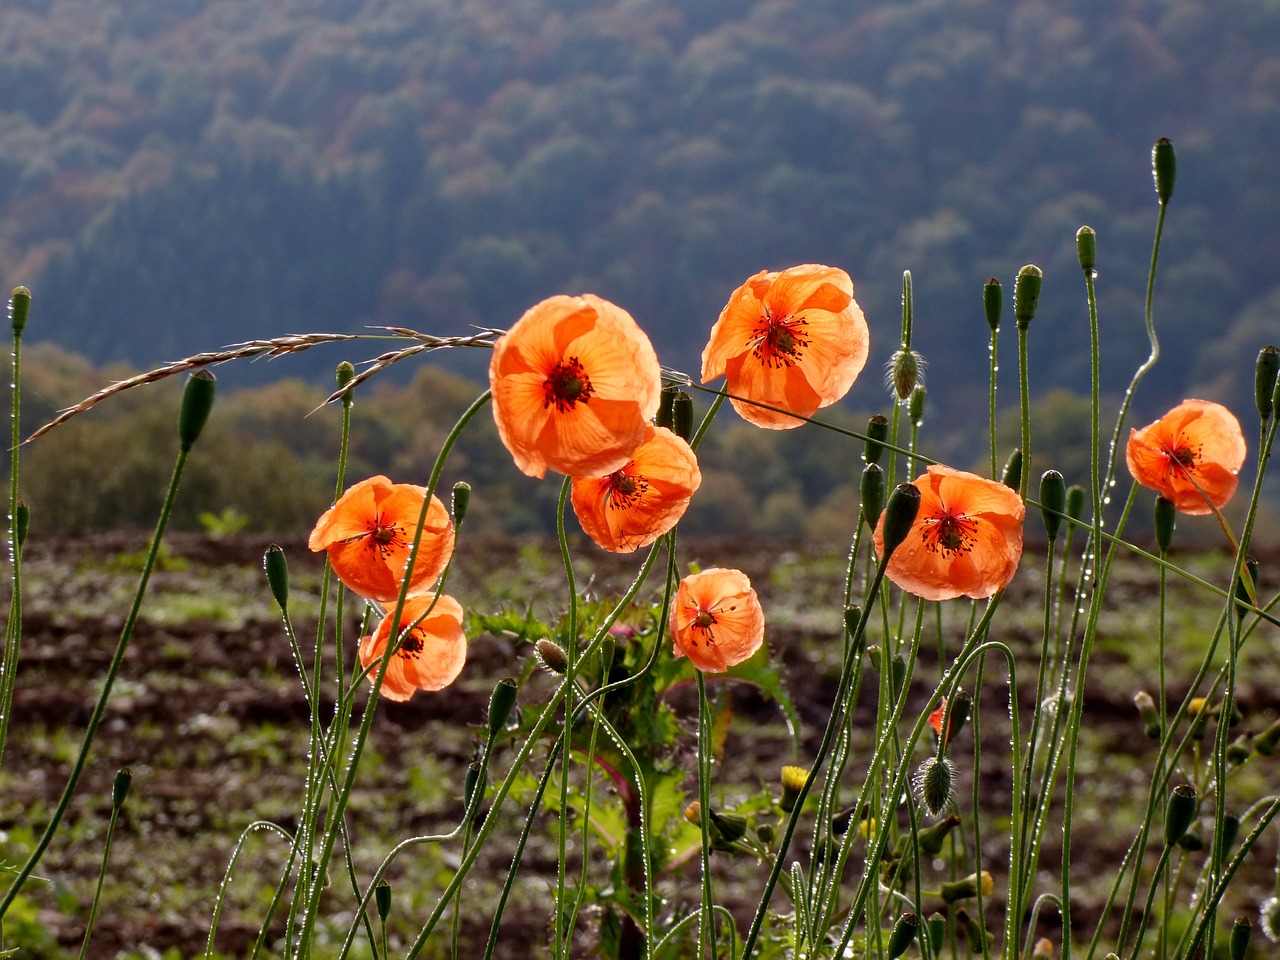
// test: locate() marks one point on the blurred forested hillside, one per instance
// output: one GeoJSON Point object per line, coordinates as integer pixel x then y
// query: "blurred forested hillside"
{"type": "Point", "coordinates": [179, 174]}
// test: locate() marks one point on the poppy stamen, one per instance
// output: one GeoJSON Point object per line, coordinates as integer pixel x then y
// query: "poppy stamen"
{"type": "Point", "coordinates": [625, 490]}
{"type": "Point", "coordinates": [950, 534]}
{"type": "Point", "coordinates": [567, 385]}
{"type": "Point", "coordinates": [779, 342]}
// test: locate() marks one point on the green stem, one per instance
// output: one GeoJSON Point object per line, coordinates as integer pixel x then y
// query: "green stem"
{"type": "Point", "coordinates": [13, 627]}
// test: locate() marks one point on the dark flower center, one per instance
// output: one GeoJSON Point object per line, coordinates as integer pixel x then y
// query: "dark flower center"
{"type": "Point", "coordinates": [410, 646]}
{"type": "Point", "coordinates": [625, 490]}
{"type": "Point", "coordinates": [779, 342]}
{"type": "Point", "coordinates": [567, 385]}
{"type": "Point", "coordinates": [950, 534]}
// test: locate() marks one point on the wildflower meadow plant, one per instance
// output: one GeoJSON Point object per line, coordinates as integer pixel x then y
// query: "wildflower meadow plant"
{"type": "Point", "coordinates": [931, 806]}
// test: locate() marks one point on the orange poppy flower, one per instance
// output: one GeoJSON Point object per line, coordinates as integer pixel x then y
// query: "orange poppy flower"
{"type": "Point", "coordinates": [935, 718]}
{"type": "Point", "coordinates": [716, 620]}
{"type": "Point", "coordinates": [369, 531]}
{"type": "Point", "coordinates": [634, 506]}
{"type": "Point", "coordinates": [575, 381]}
{"type": "Point", "coordinates": [1190, 456]}
{"type": "Point", "coordinates": [966, 540]}
{"type": "Point", "coordinates": [795, 340]}
{"type": "Point", "coordinates": [429, 658]}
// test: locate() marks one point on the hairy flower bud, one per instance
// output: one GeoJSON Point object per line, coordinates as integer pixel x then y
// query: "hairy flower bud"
{"type": "Point", "coordinates": [932, 785]}
{"type": "Point", "coordinates": [1166, 517]}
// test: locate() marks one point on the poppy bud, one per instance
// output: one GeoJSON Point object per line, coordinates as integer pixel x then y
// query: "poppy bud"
{"type": "Point", "coordinates": [728, 828]}
{"type": "Point", "coordinates": [1053, 501]}
{"type": "Point", "coordinates": [666, 407]}
{"type": "Point", "coordinates": [197, 401]}
{"type": "Point", "coordinates": [1239, 750]}
{"type": "Point", "coordinates": [764, 833]}
{"type": "Point", "coordinates": [1241, 931]}
{"type": "Point", "coordinates": [1012, 474]}
{"type": "Point", "coordinates": [1265, 743]}
{"type": "Point", "coordinates": [793, 780]}
{"type": "Point", "coordinates": [932, 838]}
{"type": "Point", "coordinates": [897, 673]}
{"type": "Point", "coordinates": [1026, 294]}
{"type": "Point", "coordinates": [473, 781]}
{"type": "Point", "coordinates": [1230, 830]}
{"type": "Point", "coordinates": [992, 302]}
{"type": "Point", "coordinates": [872, 489]}
{"type": "Point", "coordinates": [915, 404]}
{"type": "Point", "coordinates": [957, 714]}
{"type": "Point", "coordinates": [840, 822]}
{"type": "Point", "coordinates": [346, 373]}
{"type": "Point", "coordinates": [501, 701]}
{"type": "Point", "coordinates": [1180, 812]}
{"type": "Point", "coordinates": [461, 500]}
{"type": "Point", "coordinates": [1246, 590]}
{"type": "Point", "coordinates": [277, 567]}
{"type": "Point", "coordinates": [1264, 381]}
{"type": "Point", "coordinates": [937, 927]}
{"type": "Point", "coordinates": [877, 434]}
{"type": "Point", "coordinates": [382, 898]}
{"type": "Point", "coordinates": [852, 617]}
{"type": "Point", "coordinates": [899, 515]}
{"type": "Point", "coordinates": [1087, 248]}
{"type": "Point", "coordinates": [1075, 502]}
{"type": "Point", "coordinates": [1150, 716]}
{"type": "Point", "coordinates": [932, 785]}
{"type": "Point", "coordinates": [682, 416]}
{"type": "Point", "coordinates": [905, 369]}
{"type": "Point", "coordinates": [21, 523]}
{"type": "Point", "coordinates": [551, 656]}
{"type": "Point", "coordinates": [967, 887]}
{"type": "Point", "coordinates": [1166, 520]}
{"type": "Point", "coordinates": [120, 787]}
{"type": "Point", "coordinates": [19, 307]}
{"type": "Point", "coordinates": [904, 932]}
{"type": "Point", "coordinates": [1164, 167]}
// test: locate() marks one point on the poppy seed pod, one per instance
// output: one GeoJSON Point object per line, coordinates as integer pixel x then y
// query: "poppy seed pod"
{"type": "Point", "coordinates": [877, 434]}
{"type": "Point", "coordinates": [1166, 517]}
{"type": "Point", "coordinates": [461, 500]}
{"type": "Point", "coordinates": [904, 933]}
{"type": "Point", "coordinates": [872, 489]}
{"type": "Point", "coordinates": [666, 407]}
{"type": "Point", "coordinates": [1264, 381]}
{"type": "Point", "coordinates": [1087, 248]}
{"type": "Point", "coordinates": [501, 701]}
{"type": "Point", "coordinates": [1075, 502]}
{"type": "Point", "coordinates": [899, 515]}
{"type": "Point", "coordinates": [1241, 931]}
{"type": "Point", "coordinates": [1026, 294]}
{"type": "Point", "coordinates": [682, 416]}
{"type": "Point", "coordinates": [1164, 168]}
{"type": "Point", "coordinates": [345, 373]}
{"type": "Point", "coordinates": [120, 787]}
{"type": "Point", "coordinates": [993, 302]}
{"type": "Point", "coordinates": [382, 898]}
{"type": "Point", "coordinates": [19, 308]}
{"type": "Point", "coordinates": [277, 568]}
{"type": "Point", "coordinates": [1053, 501]}
{"type": "Point", "coordinates": [1180, 812]}
{"type": "Point", "coordinates": [1011, 476]}
{"type": "Point", "coordinates": [915, 404]}
{"type": "Point", "coordinates": [197, 401]}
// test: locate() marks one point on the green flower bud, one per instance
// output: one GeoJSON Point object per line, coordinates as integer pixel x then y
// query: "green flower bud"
{"type": "Point", "coordinates": [932, 785]}
{"type": "Point", "coordinates": [1053, 502]}
{"type": "Point", "coordinates": [904, 370]}
{"type": "Point", "coordinates": [1265, 743]}
{"type": "Point", "coordinates": [197, 401]}
{"type": "Point", "coordinates": [1239, 750]}
{"type": "Point", "coordinates": [1264, 381]}
{"type": "Point", "coordinates": [992, 302]}
{"type": "Point", "coordinates": [932, 838]}
{"type": "Point", "coordinates": [765, 833]}
{"type": "Point", "coordinates": [382, 897]}
{"type": "Point", "coordinates": [899, 515]}
{"type": "Point", "coordinates": [1180, 812]}
{"type": "Point", "coordinates": [1164, 167]}
{"type": "Point", "coordinates": [1087, 248]}
{"type": "Point", "coordinates": [1241, 931]}
{"type": "Point", "coordinates": [1230, 830]}
{"type": "Point", "coordinates": [968, 887]}
{"type": "Point", "coordinates": [1246, 590]}
{"type": "Point", "coordinates": [852, 617]}
{"type": "Point", "coordinates": [346, 373]}
{"type": "Point", "coordinates": [21, 523]}
{"type": "Point", "coordinates": [682, 416]}
{"type": "Point", "coordinates": [473, 782]}
{"type": "Point", "coordinates": [551, 656]}
{"type": "Point", "coordinates": [1012, 475]}
{"type": "Point", "coordinates": [277, 567]}
{"type": "Point", "coordinates": [1075, 502]}
{"type": "Point", "coordinates": [728, 828]}
{"type": "Point", "coordinates": [937, 927]}
{"type": "Point", "coordinates": [501, 701]}
{"type": "Point", "coordinates": [904, 933]}
{"type": "Point", "coordinates": [872, 489]}
{"type": "Point", "coordinates": [461, 500]}
{"type": "Point", "coordinates": [915, 404]}
{"type": "Point", "coordinates": [897, 673]}
{"type": "Point", "coordinates": [877, 434]}
{"type": "Point", "coordinates": [666, 407]}
{"type": "Point", "coordinates": [120, 787]}
{"type": "Point", "coordinates": [1150, 715]}
{"type": "Point", "coordinates": [1026, 294]}
{"type": "Point", "coordinates": [19, 308]}
{"type": "Point", "coordinates": [1166, 522]}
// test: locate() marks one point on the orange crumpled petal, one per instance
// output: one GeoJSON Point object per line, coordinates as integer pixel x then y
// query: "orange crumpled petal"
{"type": "Point", "coordinates": [716, 620]}
{"type": "Point", "coordinates": [1190, 456]}
{"type": "Point", "coordinates": [429, 658]}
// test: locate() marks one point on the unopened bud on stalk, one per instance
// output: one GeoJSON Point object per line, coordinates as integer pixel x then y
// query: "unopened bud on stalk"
{"type": "Point", "coordinates": [1053, 502]}
{"type": "Point", "coordinates": [461, 501]}
{"type": "Point", "coordinates": [992, 302]}
{"type": "Point", "coordinates": [937, 927]}
{"type": "Point", "coordinates": [382, 898]}
{"type": "Point", "coordinates": [1180, 812]}
{"type": "Point", "coordinates": [1087, 248]}
{"type": "Point", "coordinates": [1012, 474]}
{"type": "Point", "coordinates": [693, 813]}
{"type": "Point", "coordinates": [1199, 711]}
{"type": "Point", "coordinates": [728, 828]}
{"type": "Point", "coordinates": [899, 515]}
{"type": "Point", "coordinates": [957, 714]}
{"type": "Point", "coordinates": [682, 416]}
{"type": "Point", "coordinates": [1239, 750]}
{"type": "Point", "coordinates": [976, 935]}
{"type": "Point", "coordinates": [932, 785]}
{"type": "Point", "coordinates": [21, 523]}
{"type": "Point", "coordinates": [897, 673]}
{"type": "Point", "coordinates": [1241, 931]}
{"type": "Point", "coordinates": [551, 656]}
{"type": "Point", "coordinates": [967, 887]}
{"type": "Point", "coordinates": [904, 371]}
{"type": "Point", "coordinates": [932, 838]}
{"type": "Point", "coordinates": [877, 434]}
{"type": "Point", "coordinates": [1246, 590]}
{"type": "Point", "coordinates": [501, 701]}
{"type": "Point", "coordinates": [793, 780]}
{"type": "Point", "coordinates": [904, 933]}
{"type": "Point", "coordinates": [1230, 830]}
{"type": "Point", "coordinates": [1264, 381]}
{"type": "Point", "coordinates": [852, 617]}
{"type": "Point", "coordinates": [764, 833]}
{"type": "Point", "coordinates": [872, 490]}
{"type": "Point", "coordinates": [1150, 715]}
{"type": "Point", "coordinates": [1166, 520]}
{"type": "Point", "coordinates": [277, 568]}
{"type": "Point", "coordinates": [120, 787]}
{"type": "Point", "coordinates": [1164, 167]}
{"type": "Point", "coordinates": [1075, 502]}
{"type": "Point", "coordinates": [1043, 949]}
{"type": "Point", "coordinates": [19, 308]}
{"type": "Point", "coordinates": [915, 404]}
{"type": "Point", "coordinates": [666, 407]}
{"type": "Point", "coordinates": [472, 782]}
{"type": "Point", "coordinates": [1265, 743]}
{"type": "Point", "coordinates": [1026, 294]}
{"type": "Point", "coordinates": [345, 374]}
{"type": "Point", "coordinates": [197, 401]}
